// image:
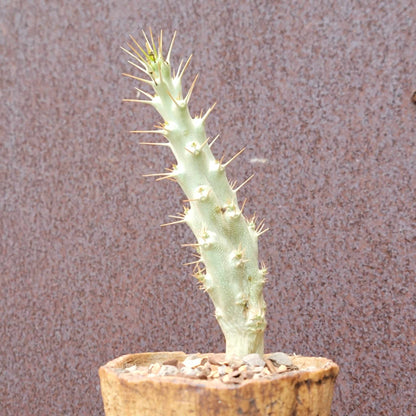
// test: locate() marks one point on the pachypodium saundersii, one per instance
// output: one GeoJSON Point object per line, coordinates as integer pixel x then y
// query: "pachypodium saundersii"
{"type": "Point", "coordinates": [227, 242]}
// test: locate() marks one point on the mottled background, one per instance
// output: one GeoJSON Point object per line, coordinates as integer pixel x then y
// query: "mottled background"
{"type": "Point", "coordinates": [319, 91]}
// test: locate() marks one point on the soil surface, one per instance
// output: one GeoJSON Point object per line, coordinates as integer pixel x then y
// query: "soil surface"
{"type": "Point", "coordinates": [231, 370]}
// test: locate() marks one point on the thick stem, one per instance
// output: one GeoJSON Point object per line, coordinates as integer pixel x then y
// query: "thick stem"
{"type": "Point", "coordinates": [241, 343]}
{"type": "Point", "coordinates": [247, 339]}
{"type": "Point", "coordinates": [226, 240]}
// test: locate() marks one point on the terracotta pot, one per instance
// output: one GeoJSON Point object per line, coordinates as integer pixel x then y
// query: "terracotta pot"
{"type": "Point", "coordinates": [307, 391]}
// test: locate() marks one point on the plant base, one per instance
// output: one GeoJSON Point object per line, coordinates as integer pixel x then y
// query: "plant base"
{"type": "Point", "coordinates": [307, 391]}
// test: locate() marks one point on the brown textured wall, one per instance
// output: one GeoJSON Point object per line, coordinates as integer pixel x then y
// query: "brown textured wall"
{"type": "Point", "coordinates": [319, 91]}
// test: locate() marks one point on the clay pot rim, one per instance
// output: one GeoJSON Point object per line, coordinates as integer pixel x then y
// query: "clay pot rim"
{"type": "Point", "coordinates": [328, 369]}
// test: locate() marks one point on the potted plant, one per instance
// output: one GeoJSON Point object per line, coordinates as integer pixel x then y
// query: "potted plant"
{"type": "Point", "coordinates": [244, 380]}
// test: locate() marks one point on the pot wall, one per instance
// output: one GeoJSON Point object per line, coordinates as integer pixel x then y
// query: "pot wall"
{"type": "Point", "coordinates": [306, 392]}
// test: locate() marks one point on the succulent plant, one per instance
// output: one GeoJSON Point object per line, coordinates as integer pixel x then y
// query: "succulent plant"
{"type": "Point", "coordinates": [227, 263]}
